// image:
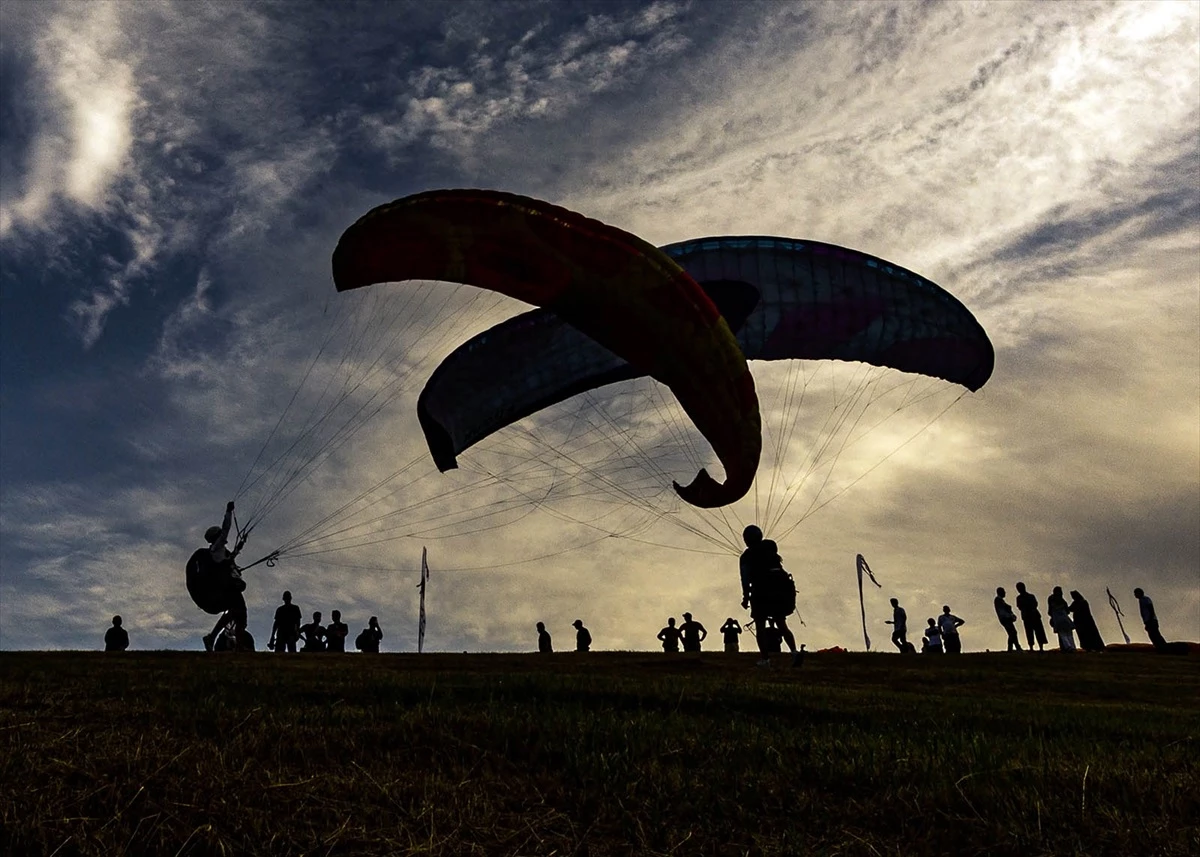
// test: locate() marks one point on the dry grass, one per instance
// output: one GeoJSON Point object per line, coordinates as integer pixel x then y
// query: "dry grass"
{"type": "Point", "coordinates": [612, 753]}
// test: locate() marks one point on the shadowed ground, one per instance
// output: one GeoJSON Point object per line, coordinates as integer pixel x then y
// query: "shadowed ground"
{"type": "Point", "coordinates": [607, 753]}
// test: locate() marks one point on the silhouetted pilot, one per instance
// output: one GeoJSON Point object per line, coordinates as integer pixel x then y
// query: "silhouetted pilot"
{"type": "Point", "coordinates": [116, 639]}
{"type": "Point", "coordinates": [225, 583]}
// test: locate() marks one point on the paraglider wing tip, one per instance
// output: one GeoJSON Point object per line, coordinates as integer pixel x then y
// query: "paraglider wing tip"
{"type": "Point", "coordinates": [441, 444]}
{"type": "Point", "coordinates": [707, 493]}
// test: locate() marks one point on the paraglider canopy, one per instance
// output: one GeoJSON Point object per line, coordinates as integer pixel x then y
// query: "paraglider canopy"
{"type": "Point", "coordinates": [614, 288]}
{"type": "Point", "coordinates": [784, 299]}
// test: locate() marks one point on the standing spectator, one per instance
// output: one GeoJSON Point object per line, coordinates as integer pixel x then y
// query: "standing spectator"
{"type": "Point", "coordinates": [1150, 620]}
{"type": "Point", "coordinates": [544, 644]}
{"type": "Point", "coordinates": [949, 625]}
{"type": "Point", "coordinates": [1027, 606]}
{"type": "Point", "coordinates": [1085, 624]}
{"type": "Point", "coordinates": [116, 638]}
{"type": "Point", "coordinates": [369, 637]}
{"type": "Point", "coordinates": [336, 633]}
{"type": "Point", "coordinates": [899, 623]}
{"type": "Point", "coordinates": [669, 636]}
{"type": "Point", "coordinates": [1060, 620]}
{"type": "Point", "coordinates": [285, 630]}
{"type": "Point", "coordinates": [314, 635]}
{"type": "Point", "coordinates": [583, 637]}
{"type": "Point", "coordinates": [1008, 620]}
{"type": "Point", "coordinates": [731, 630]}
{"type": "Point", "coordinates": [932, 641]}
{"type": "Point", "coordinates": [693, 633]}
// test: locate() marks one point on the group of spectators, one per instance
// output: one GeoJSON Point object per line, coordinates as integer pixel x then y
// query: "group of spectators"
{"type": "Point", "coordinates": [940, 636]}
{"type": "Point", "coordinates": [583, 638]}
{"type": "Point", "coordinates": [1071, 621]}
{"type": "Point", "coordinates": [1068, 619]}
{"type": "Point", "coordinates": [287, 632]}
{"type": "Point", "coordinates": [690, 634]}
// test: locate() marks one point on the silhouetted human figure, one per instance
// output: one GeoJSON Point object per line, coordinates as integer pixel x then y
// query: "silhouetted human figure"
{"type": "Point", "coordinates": [730, 631]}
{"type": "Point", "coordinates": [1150, 620]}
{"type": "Point", "coordinates": [949, 625]}
{"type": "Point", "coordinates": [285, 630]}
{"type": "Point", "coordinates": [336, 633]}
{"type": "Point", "coordinates": [1085, 624]}
{"type": "Point", "coordinates": [693, 633]}
{"type": "Point", "coordinates": [369, 638]}
{"type": "Point", "coordinates": [767, 589]}
{"type": "Point", "coordinates": [116, 638]}
{"type": "Point", "coordinates": [899, 623]}
{"type": "Point", "coordinates": [220, 578]}
{"type": "Point", "coordinates": [1008, 620]}
{"type": "Point", "coordinates": [544, 644]}
{"type": "Point", "coordinates": [931, 643]}
{"type": "Point", "coordinates": [670, 636]}
{"type": "Point", "coordinates": [1060, 620]}
{"type": "Point", "coordinates": [583, 637]}
{"type": "Point", "coordinates": [313, 635]}
{"type": "Point", "coordinates": [1031, 617]}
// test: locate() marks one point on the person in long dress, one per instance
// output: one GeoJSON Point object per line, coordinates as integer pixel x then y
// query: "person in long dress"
{"type": "Point", "coordinates": [1085, 624]}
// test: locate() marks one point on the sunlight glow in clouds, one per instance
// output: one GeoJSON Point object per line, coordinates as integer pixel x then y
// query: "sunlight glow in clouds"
{"type": "Point", "coordinates": [82, 146]}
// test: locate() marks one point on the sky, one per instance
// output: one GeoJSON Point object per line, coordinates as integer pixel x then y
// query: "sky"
{"type": "Point", "coordinates": [174, 177]}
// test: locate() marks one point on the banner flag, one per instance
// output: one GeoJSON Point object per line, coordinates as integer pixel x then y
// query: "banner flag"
{"type": "Point", "coordinates": [1116, 608]}
{"type": "Point", "coordinates": [863, 567]}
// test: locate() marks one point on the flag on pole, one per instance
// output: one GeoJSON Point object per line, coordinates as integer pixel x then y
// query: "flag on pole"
{"type": "Point", "coordinates": [421, 586]}
{"type": "Point", "coordinates": [862, 566]}
{"type": "Point", "coordinates": [1116, 608]}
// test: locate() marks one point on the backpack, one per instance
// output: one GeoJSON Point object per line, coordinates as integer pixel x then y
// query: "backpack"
{"type": "Point", "coordinates": [775, 590]}
{"type": "Point", "coordinates": [207, 582]}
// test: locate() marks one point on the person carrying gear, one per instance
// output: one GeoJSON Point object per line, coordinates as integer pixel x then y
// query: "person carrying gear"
{"type": "Point", "coordinates": [767, 589]}
{"type": "Point", "coordinates": [215, 582]}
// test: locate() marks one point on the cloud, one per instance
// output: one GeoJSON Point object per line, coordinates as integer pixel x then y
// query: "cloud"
{"type": "Point", "coordinates": [545, 73]}
{"type": "Point", "coordinates": [81, 148]}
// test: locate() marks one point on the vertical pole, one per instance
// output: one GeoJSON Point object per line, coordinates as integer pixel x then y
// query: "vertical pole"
{"type": "Point", "coordinates": [421, 586]}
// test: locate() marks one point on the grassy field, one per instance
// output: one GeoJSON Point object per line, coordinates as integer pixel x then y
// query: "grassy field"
{"type": "Point", "coordinates": [172, 753]}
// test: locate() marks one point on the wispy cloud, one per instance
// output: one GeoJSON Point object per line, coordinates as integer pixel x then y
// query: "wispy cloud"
{"type": "Point", "coordinates": [544, 74]}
